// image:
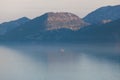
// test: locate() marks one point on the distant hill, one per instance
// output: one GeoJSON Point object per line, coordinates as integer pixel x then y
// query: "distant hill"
{"type": "Point", "coordinates": [48, 22]}
{"type": "Point", "coordinates": [109, 32]}
{"type": "Point", "coordinates": [8, 26]}
{"type": "Point", "coordinates": [63, 27]}
{"type": "Point", "coordinates": [51, 21]}
{"type": "Point", "coordinates": [103, 15]}
{"type": "Point", "coordinates": [105, 33]}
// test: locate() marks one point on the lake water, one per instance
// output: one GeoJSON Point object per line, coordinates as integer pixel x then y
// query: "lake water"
{"type": "Point", "coordinates": [59, 62]}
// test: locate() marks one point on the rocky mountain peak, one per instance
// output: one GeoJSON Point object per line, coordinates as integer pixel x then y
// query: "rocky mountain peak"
{"type": "Point", "coordinates": [63, 20]}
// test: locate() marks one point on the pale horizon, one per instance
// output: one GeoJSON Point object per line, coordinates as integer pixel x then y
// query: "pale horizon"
{"type": "Point", "coordinates": [14, 9]}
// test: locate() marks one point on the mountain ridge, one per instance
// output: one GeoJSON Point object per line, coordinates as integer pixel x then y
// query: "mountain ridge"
{"type": "Point", "coordinates": [8, 26]}
{"type": "Point", "coordinates": [104, 13]}
{"type": "Point", "coordinates": [105, 33]}
{"type": "Point", "coordinates": [48, 22]}
{"type": "Point", "coordinates": [64, 27]}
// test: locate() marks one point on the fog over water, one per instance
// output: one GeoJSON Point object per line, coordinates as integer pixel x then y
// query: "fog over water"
{"type": "Point", "coordinates": [53, 62]}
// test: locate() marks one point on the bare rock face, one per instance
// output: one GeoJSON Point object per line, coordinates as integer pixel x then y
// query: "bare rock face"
{"type": "Point", "coordinates": [64, 20]}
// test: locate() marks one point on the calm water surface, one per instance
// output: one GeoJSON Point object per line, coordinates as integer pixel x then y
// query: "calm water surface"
{"type": "Point", "coordinates": [59, 62]}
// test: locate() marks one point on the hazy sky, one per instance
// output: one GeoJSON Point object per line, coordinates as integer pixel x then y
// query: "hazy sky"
{"type": "Point", "coordinates": [13, 9]}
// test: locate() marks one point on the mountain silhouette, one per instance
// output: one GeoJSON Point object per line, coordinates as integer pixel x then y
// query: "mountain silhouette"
{"type": "Point", "coordinates": [46, 23]}
{"type": "Point", "coordinates": [102, 33]}
{"type": "Point", "coordinates": [62, 27]}
{"type": "Point", "coordinates": [105, 33]}
{"type": "Point", "coordinates": [103, 14]}
{"type": "Point", "coordinates": [8, 26]}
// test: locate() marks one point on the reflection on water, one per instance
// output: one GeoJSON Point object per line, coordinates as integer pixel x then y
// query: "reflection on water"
{"type": "Point", "coordinates": [41, 62]}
